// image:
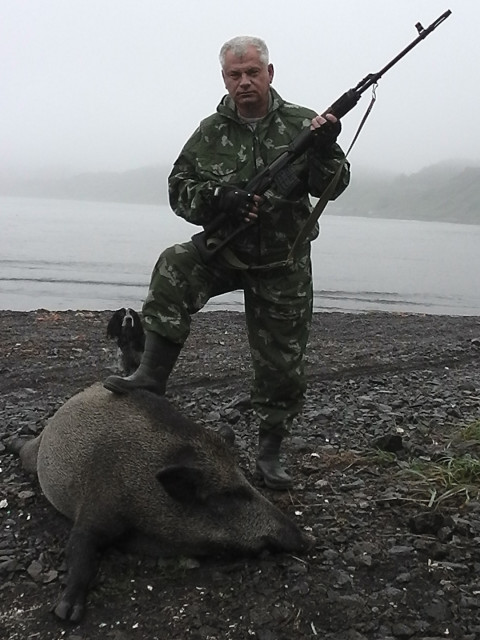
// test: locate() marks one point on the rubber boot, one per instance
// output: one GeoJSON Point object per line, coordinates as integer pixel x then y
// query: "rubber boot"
{"type": "Point", "coordinates": [268, 462]}
{"type": "Point", "coordinates": [157, 362]}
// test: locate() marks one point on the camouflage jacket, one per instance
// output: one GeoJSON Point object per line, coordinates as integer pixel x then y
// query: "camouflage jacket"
{"type": "Point", "coordinates": [226, 150]}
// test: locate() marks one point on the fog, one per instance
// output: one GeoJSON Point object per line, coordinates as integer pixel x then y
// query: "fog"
{"type": "Point", "coordinates": [90, 85]}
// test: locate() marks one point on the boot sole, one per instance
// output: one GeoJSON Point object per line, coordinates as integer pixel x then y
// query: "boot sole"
{"type": "Point", "coordinates": [122, 389]}
{"type": "Point", "coordinates": [111, 386]}
{"type": "Point", "coordinates": [275, 485]}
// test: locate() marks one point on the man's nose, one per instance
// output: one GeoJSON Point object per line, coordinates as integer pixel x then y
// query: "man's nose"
{"type": "Point", "coordinates": [245, 79]}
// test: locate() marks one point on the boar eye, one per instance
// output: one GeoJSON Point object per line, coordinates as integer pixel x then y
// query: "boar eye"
{"type": "Point", "coordinates": [240, 493]}
{"type": "Point", "coordinates": [229, 497]}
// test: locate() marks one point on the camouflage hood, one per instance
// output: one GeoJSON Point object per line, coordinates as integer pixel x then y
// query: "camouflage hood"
{"type": "Point", "coordinates": [226, 150]}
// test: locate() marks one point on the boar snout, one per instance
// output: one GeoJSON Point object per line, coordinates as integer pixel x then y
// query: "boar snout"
{"type": "Point", "coordinates": [289, 538]}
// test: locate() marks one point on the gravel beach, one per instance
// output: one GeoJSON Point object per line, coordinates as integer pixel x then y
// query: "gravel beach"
{"type": "Point", "coordinates": [385, 459]}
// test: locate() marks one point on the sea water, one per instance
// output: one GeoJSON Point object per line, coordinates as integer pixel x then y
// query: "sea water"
{"type": "Point", "coordinates": [66, 254]}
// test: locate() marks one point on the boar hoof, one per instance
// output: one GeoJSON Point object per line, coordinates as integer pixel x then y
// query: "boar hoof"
{"type": "Point", "coordinates": [228, 434]}
{"type": "Point", "coordinates": [71, 611]}
{"type": "Point", "coordinates": [15, 443]}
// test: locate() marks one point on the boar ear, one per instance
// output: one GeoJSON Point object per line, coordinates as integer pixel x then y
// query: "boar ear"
{"type": "Point", "coordinates": [182, 483]}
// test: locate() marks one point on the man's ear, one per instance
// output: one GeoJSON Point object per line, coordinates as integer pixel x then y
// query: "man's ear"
{"type": "Point", "coordinates": [271, 71]}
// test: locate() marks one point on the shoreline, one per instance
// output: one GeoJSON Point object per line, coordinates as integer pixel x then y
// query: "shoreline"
{"type": "Point", "coordinates": [325, 310]}
{"type": "Point", "coordinates": [339, 341]}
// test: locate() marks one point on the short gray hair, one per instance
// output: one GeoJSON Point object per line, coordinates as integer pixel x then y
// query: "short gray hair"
{"type": "Point", "coordinates": [239, 45]}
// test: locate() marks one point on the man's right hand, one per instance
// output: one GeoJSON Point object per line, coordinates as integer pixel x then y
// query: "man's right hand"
{"type": "Point", "coordinates": [326, 130]}
{"type": "Point", "coordinates": [238, 203]}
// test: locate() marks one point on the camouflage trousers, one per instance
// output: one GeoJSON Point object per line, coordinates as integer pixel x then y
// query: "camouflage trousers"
{"type": "Point", "coordinates": [278, 313]}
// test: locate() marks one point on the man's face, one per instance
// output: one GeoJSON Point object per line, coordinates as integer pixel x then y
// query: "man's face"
{"type": "Point", "coordinates": [247, 80]}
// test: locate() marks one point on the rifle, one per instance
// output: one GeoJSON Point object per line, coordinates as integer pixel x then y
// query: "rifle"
{"type": "Point", "coordinates": [299, 145]}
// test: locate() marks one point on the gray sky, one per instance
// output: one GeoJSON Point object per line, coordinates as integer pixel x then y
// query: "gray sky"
{"type": "Point", "coordinates": [119, 84]}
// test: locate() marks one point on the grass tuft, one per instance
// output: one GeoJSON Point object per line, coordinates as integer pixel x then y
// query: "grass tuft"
{"type": "Point", "coordinates": [445, 478]}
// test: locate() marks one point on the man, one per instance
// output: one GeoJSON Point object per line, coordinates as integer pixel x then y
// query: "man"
{"type": "Point", "coordinates": [252, 126]}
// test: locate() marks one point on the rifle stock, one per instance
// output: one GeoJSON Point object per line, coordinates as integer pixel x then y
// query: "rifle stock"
{"type": "Point", "coordinates": [300, 144]}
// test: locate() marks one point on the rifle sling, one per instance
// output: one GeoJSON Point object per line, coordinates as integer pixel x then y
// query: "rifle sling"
{"type": "Point", "coordinates": [229, 256]}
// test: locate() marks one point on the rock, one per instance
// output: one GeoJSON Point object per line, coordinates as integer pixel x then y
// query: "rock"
{"type": "Point", "coordinates": [35, 570]}
{"type": "Point", "coordinates": [429, 522]}
{"type": "Point", "coordinates": [390, 442]}
{"type": "Point", "coordinates": [401, 630]}
{"type": "Point", "coordinates": [24, 496]}
{"type": "Point", "coordinates": [384, 565]}
{"type": "Point", "coordinates": [8, 565]}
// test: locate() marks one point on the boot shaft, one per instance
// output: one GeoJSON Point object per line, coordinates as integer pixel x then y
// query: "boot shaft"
{"type": "Point", "coordinates": [158, 359]}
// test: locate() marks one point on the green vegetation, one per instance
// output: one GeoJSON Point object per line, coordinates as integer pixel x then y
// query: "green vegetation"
{"type": "Point", "coordinates": [454, 474]}
{"type": "Point", "coordinates": [447, 477]}
{"type": "Point", "coordinates": [471, 432]}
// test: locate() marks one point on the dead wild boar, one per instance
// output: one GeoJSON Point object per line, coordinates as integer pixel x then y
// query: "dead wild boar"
{"type": "Point", "coordinates": [131, 469]}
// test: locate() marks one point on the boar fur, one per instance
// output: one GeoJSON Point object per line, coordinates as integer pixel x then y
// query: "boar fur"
{"type": "Point", "coordinates": [130, 469]}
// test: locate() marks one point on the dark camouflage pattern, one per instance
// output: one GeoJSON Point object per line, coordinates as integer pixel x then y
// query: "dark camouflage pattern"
{"type": "Point", "coordinates": [278, 311]}
{"type": "Point", "coordinates": [225, 150]}
{"type": "Point", "coordinates": [278, 301]}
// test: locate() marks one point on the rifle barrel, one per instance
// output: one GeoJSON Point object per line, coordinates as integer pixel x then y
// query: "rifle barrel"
{"type": "Point", "coordinates": [261, 182]}
{"type": "Point", "coordinates": [373, 78]}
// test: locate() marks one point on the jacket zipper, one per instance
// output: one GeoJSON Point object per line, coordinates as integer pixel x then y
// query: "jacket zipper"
{"type": "Point", "coordinates": [255, 147]}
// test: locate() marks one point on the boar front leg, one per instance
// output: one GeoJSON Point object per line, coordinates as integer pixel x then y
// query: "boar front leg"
{"type": "Point", "coordinates": [82, 556]}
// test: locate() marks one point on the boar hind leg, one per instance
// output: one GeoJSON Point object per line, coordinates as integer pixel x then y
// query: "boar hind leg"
{"type": "Point", "coordinates": [29, 453]}
{"type": "Point", "coordinates": [82, 556]}
{"type": "Point", "coordinates": [27, 449]}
